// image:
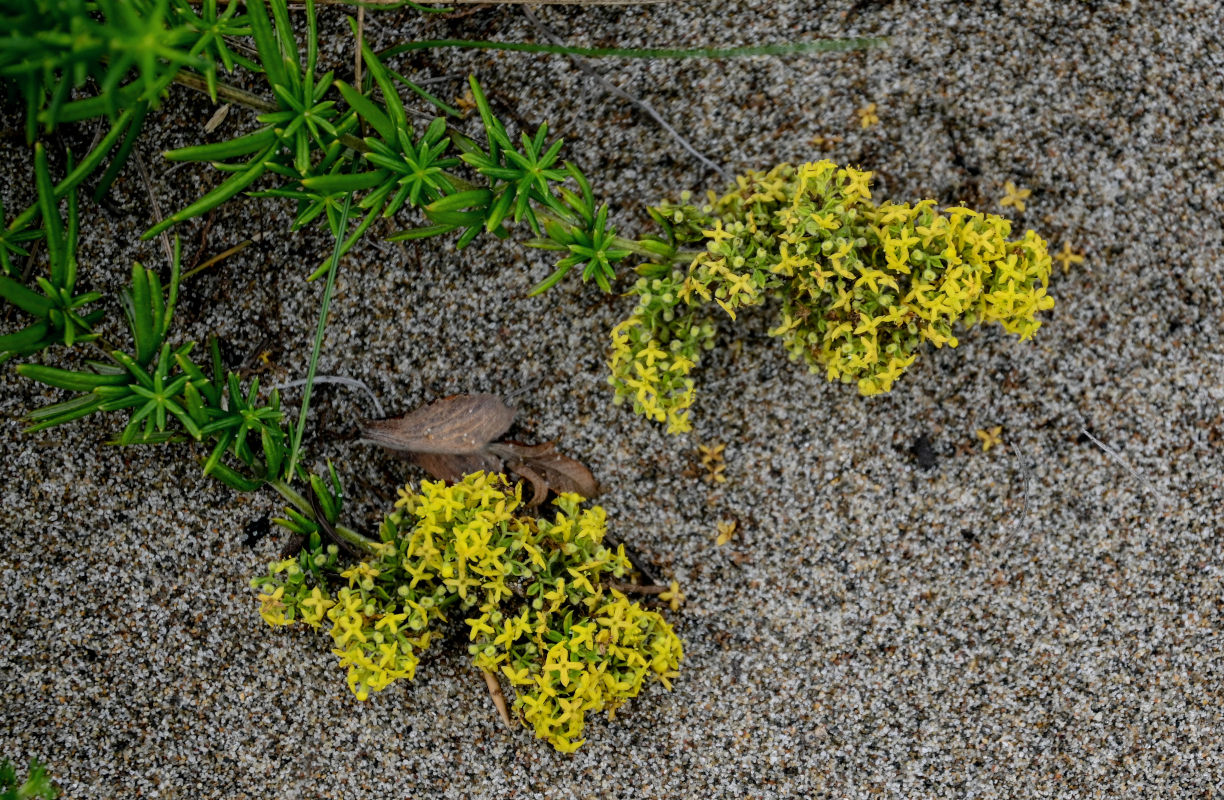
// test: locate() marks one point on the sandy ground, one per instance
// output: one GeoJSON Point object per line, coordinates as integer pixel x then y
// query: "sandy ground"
{"type": "Point", "coordinates": [901, 614]}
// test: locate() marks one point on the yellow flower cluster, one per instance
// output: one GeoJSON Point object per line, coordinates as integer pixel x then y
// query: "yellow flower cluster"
{"type": "Point", "coordinates": [370, 642]}
{"type": "Point", "coordinates": [534, 591]}
{"type": "Point", "coordinates": [862, 285]}
{"type": "Point", "coordinates": [290, 599]}
{"type": "Point", "coordinates": [577, 646]}
{"type": "Point", "coordinates": [655, 349]}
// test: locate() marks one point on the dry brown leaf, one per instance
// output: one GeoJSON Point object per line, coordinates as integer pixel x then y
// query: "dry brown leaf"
{"type": "Point", "coordinates": [542, 464]}
{"type": "Point", "coordinates": [452, 468]}
{"type": "Point", "coordinates": [453, 437]}
{"type": "Point", "coordinates": [539, 486]}
{"type": "Point", "coordinates": [455, 425]}
{"type": "Point", "coordinates": [217, 118]}
{"type": "Point", "coordinates": [498, 697]}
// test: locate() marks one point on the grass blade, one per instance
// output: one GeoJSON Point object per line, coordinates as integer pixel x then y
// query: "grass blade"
{"type": "Point", "coordinates": [800, 48]}
{"type": "Point", "coordinates": [324, 305]}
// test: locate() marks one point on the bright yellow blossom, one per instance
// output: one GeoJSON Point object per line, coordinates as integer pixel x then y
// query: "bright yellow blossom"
{"type": "Point", "coordinates": [1014, 197]}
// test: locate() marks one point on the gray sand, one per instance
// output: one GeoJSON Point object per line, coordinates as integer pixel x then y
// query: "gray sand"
{"type": "Point", "coordinates": [1040, 620]}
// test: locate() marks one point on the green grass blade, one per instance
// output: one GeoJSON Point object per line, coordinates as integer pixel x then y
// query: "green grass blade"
{"type": "Point", "coordinates": [48, 206]}
{"type": "Point", "coordinates": [58, 414]}
{"type": "Point", "coordinates": [368, 111]}
{"type": "Point", "coordinates": [24, 298]}
{"type": "Point", "coordinates": [230, 187]}
{"type": "Point", "coordinates": [121, 154]}
{"type": "Point", "coordinates": [67, 379]}
{"type": "Point", "coordinates": [318, 341]}
{"type": "Point", "coordinates": [223, 151]}
{"type": "Point", "coordinates": [799, 48]}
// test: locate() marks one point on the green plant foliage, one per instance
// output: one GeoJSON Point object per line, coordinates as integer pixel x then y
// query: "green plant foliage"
{"type": "Point", "coordinates": [59, 315]}
{"type": "Point", "coordinates": [534, 594]}
{"type": "Point", "coordinates": [170, 397]}
{"type": "Point", "coordinates": [301, 130]}
{"type": "Point", "coordinates": [129, 51]}
{"type": "Point", "coordinates": [36, 785]}
{"type": "Point", "coordinates": [13, 244]}
{"type": "Point", "coordinates": [862, 285]}
{"type": "Point", "coordinates": [311, 143]}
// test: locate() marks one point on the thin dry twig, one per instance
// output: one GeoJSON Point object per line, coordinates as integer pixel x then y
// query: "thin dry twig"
{"type": "Point", "coordinates": [621, 93]}
{"type": "Point", "coordinates": [499, 699]}
{"type": "Point", "coordinates": [1027, 479]}
{"type": "Point", "coordinates": [1116, 456]}
{"type": "Point", "coordinates": [343, 381]}
{"type": "Point", "coordinates": [164, 238]}
{"type": "Point", "coordinates": [636, 588]}
{"type": "Point", "coordinates": [238, 248]}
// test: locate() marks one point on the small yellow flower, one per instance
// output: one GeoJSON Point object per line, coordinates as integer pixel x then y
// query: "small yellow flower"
{"type": "Point", "coordinates": [1068, 257]}
{"type": "Point", "coordinates": [717, 234]}
{"type": "Point", "coordinates": [1014, 196]}
{"type": "Point", "coordinates": [712, 461]}
{"type": "Point", "coordinates": [359, 573]}
{"type": "Point", "coordinates": [990, 437]}
{"type": "Point", "coordinates": [857, 186]}
{"type": "Point", "coordinates": [725, 531]}
{"type": "Point", "coordinates": [867, 115]}
{"type": "Point", "coordinates": [390, 621]}
{"type": "Point", "coordinates": [820, 141]}
{"type": "Point", "coordinates": [272, 609]}
{"type": "Point", "coordinates": [673, 596]}
{"type": "Point", "coordinates": [314, 607]}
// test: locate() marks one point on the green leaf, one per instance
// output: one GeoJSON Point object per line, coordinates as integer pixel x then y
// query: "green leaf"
{"type": "Point", "coordinates": [176, 269]}
{"type": "Point", "coordinates": [27, 300]}
{"type": "Point", "coordinates": [343, 182]}
{"type": "Point", "coordinates": [59, 413]}
{"type": "Point", "coordinates": [234, 479]}
{"type": "Point", "coordinates": [137, 307]}
{"type": "Point", "coordinates": [478, 198]}
{"type": "Point", "coordinates": [48, 206]}
{"type": "Point", "coordinates": [227, 189]}
{"type": "Point", "coordinates": [326, 502]}
{"type": "Point", "coordinates": [224, 151]}
{"type": "Point", "coordinates": [368, 111]}
{"type": "Point", "coordinates": [549, 282]}
{"type": "Point", "coordinates": [265, 43]}
{"type": "Point", "coordinates": [29, 339]}
{"type": "Point", "coordinates": [71, 380]}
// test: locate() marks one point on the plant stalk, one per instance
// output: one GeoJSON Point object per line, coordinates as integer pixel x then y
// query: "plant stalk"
{"type": "Point", "coordinates": [347, 534]}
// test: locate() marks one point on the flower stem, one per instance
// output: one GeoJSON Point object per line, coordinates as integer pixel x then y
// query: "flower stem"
{"type": "Point", "coordinates": [302, 504]}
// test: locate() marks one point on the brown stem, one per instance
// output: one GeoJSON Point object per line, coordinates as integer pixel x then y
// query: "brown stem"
{"type": "Point", "coordinates": [226, 92]}
{"type": "Point", "coordinates": [499, 699]}
{"type": "Point", "coordinates": [636, 588]}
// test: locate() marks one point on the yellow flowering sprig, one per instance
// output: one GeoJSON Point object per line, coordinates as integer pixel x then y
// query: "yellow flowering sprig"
{"type": "Point", "coordinates": [862, 284]}
{"type": "Point", "coordinates": [534, 593]}
{"type": "Point", "coordinates": [655, 349]}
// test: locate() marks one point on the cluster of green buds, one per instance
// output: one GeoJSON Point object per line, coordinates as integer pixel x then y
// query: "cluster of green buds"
{"type": "Point", "coordinates": [862, 285]}
{"type": "Point", "coordinates": [539, 598]}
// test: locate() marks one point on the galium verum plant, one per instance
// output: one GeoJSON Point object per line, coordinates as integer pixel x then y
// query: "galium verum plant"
{"type": "Point", "coordinates": [861, 284]}
{"type": "Point", "coordinates": [537, 596]}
